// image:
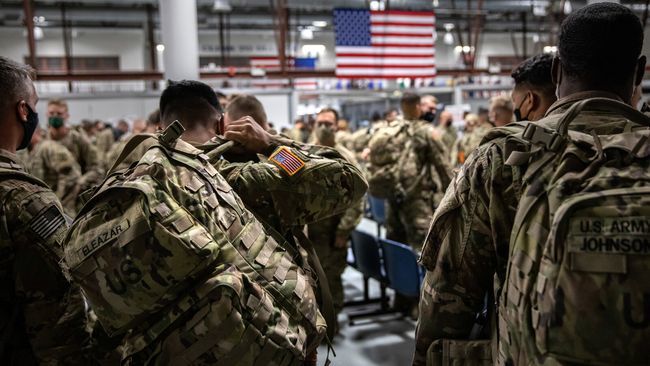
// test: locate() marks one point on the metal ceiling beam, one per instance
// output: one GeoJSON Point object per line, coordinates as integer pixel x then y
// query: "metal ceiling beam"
{"type": "Point", "coordinates": [29, 24]}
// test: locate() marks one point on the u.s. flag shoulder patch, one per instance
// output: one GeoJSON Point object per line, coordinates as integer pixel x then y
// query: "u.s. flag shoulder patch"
{"type": "Point", "coordinates": [287, 160]}
{"type": "Point", "coordinates": [47, 222]}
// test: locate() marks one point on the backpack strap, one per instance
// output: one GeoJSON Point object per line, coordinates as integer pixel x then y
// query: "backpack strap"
{"type": "Point", "coordinates": [131, 145]}
{"type": "Point", "coordinates": [602, 103]}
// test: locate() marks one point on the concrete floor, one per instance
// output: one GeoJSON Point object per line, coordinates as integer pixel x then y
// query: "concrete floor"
{"type": "Point", "coordinates": [383, 341]}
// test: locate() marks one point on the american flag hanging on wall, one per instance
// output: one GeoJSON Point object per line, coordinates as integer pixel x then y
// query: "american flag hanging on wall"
{"type": "Point", "coordinates": [384, 44]}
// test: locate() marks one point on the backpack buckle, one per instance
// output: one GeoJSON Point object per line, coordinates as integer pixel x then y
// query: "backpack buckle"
{"type": "Point", "coordinates": [171, 133]}
{"type": "Point", "coordinates": [539, 135]}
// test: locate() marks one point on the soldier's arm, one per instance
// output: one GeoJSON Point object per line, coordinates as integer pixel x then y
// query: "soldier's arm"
{"type": "Point", "coordinates": [459, 254]}
{"type": "Point", "coordinates": [326, 185]}
{"type": "Point", "coordinates": [438, 158]}
{"type": "Point", "coordinates": [53, 310]}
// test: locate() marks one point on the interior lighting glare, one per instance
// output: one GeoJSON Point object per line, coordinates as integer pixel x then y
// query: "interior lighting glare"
{"type": "Point", "coordinates": [160, 47]}
{"type": "Point", "coordinates": [448, 39]}
{"type": "Point", "coordinates": [307, 34]}
{"type": "Point", "coordinates": [319, 23]}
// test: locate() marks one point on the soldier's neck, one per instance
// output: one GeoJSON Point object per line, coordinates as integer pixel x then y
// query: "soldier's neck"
{"type": "Point", "coordinates": [198, 135]}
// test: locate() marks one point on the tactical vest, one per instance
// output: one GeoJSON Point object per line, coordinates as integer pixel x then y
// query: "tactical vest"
{"type": "Point", "coordinates": [168, 239]}
{"type": "Point", "coordinates": [576, 288]}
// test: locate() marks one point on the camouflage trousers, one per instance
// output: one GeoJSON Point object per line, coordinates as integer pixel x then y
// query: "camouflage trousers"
{"type": "Point", "coordinates": [408, 222]}
{"type": "Point", "coordinates": [334, 262]}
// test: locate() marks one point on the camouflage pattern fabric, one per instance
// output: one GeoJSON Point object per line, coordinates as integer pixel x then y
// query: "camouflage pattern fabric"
{"type": "Point", "coordinates": [468, 143]}
{"type": "Point", "coordinates": [323, 234]}
{"type": "Point", "coordinates": [133, 157]}
{"type": "Point", "coordinates": [52, 163]}
{"type": "Point", "coordinates": [197, 276]}
{"type": "Point", "coordinates": [360, 140]}
{"type": "Point", "coordinates": [328, 185]}
{"type": "Point", "coordinates": [87, 156]}
{"type": "Point", "coordinates": [104, 141]}
{"type": "Point", "coordinates": [409, 169]}
{"type": "Point", "coordinates": [42, 318]}
{"type": "Point", "coordinates": [449, 136]}
{"type": "Point", "coordinates": [344, 138]}
{"type": "Point", "coordinates": [467, 247]}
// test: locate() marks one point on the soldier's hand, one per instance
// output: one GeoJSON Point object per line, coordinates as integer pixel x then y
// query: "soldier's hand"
{"type": "Point", "coordinates": [341, 242]}
{"type": "Point", "coordinates": [365, 154]}
{"type": "Point", "coordinates": [253, 137]}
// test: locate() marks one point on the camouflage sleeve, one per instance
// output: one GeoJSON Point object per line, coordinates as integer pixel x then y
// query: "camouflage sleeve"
{"type": "Point", "coordinates": [438, 157]}
{"type": "Point", "coordinates": [351, 218]}
{"type": "Point", "coordinates": [327, 185]}
{"type": "Point", "coordinates": [470, 230]}
{"type": "Point", "coordinates": [94, 171]}
{"type": "Point", "coordinates": [53, 310]}
{"type": "Point", "coordinates": [59, 161]}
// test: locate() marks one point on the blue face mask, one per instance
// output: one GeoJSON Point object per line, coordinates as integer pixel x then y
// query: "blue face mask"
{"type": "Point", "coordinates": [29, 127]}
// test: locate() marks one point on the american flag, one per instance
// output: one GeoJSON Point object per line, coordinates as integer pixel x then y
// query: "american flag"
{"type": "Point", "coordinates": [384, 44]}
{"type": "Point", "coordinates": [287, 160]}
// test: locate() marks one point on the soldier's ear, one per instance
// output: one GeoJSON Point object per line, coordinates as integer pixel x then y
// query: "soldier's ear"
{"type": "Point", "coordinates": [22, 111]}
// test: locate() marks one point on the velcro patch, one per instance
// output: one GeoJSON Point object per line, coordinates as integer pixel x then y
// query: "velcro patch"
{"type": "Point", "coordinates": [287, 160]}
{"type": "Point", "coordinates": [47, 223]}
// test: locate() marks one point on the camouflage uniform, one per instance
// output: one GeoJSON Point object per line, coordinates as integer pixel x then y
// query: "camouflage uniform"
{"type": "Point", "coordinates": [328, 185]}
{"type": "Point", "coordinates": [449, 136]}
{"type": "Point", "coordinates": [467, 248]}
{"type": "Point", "coordinates": [42, 319]}
{"type": "Point", "coordinates": [133, 156]}
{"type": "Point", "coordinates": [52, 163]}
{"type": "Point", "coordinates": [323, 234]}
{"type": "Point", "coordinates": [201, 323]}
{"type": "Point", "coordinates": [468, 143]}
{"type": "Point", "coordinates": [344, 138]}
{"type": "Point", "coordinates": [104, 141]}
{"type": "Point", "coordinates": [361, 138]}
{"type": "Point", "coordinates": [423, 175]}
{"type": "Point", "coordinates": [87, 156]}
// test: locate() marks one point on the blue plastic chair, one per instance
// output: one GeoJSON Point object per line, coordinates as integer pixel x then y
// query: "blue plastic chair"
{"type": "Point", "coordinates": [366, 255]}
{"type": "Point", "coordinates": [377, 212]}
{"type": "Point", "coordinates": [402, 269]}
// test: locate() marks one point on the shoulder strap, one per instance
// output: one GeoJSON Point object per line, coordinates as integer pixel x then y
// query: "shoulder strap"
{"type": "Point", "coordinates": [20, 174]}
{"type": "Point", "coordinates": [133, 142]}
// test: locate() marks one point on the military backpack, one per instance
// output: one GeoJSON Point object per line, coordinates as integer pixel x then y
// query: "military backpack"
{"type": "Point", "coordinates": [167, 252]}
{"type": "Point", "coordinates": [577, 289]}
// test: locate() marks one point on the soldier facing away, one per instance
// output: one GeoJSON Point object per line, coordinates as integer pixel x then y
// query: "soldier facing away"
{"type": "Point", "coordinates": [42, 317]}
{"type": "Point", "coordinates": [181, 266]}
{"type": "Point", "coordinates": [583, 309]}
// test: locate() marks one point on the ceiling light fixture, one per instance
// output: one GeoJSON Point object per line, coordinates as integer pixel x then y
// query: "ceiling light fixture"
{"type": "Point", "coordinates": [319, 23]}
{"type": "Point", "coordinates": [222, 6]}
{"type": "Point", "coordinates": [307, 34]}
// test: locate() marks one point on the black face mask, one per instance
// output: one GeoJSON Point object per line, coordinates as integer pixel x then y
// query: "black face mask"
{"type": "Point", "coordinates": [29, 127]}
{"type": "Point", "coordinates": [429, 116]}
{"type": "Point", "coordinates": [517, 112]}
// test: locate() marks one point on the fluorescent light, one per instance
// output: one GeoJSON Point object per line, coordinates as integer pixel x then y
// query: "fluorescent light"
{"type": "Point", "coordinates": [221, 6]}
{"type": "Point", "coordinates": [319, 23]}
{"type": "Point", "coordinates": [307, 34]}
{"type": "Point", "coordinates": [550, 49]}
{"type": "Point", "coordinates": [38, 33]}
{"type": "Point", "coordinates": [448, 39]}
{"type": "Point", "coordinates": [466, 49]}
{"type": "Point", "coordinates": [160, 47]}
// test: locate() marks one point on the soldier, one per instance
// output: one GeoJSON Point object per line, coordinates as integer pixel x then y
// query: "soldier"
{"type": "Point", "coordinates": [83, 151]}
{"type": "Point", "coordinates": [534, 91]}
{"type": "Point", "coordinates": [532, 94]}
{"type": "Point", "coordinates": [42, 318]}
{"type": "Point", "coordinates": [501, 110]}
{"type": "Point", "coordinates": [410, 169]}
{"type": "Point", "coordinates": [248, 274]}
{"type": "Point", "coordinates": [362, 136]}
{"type": "Point", "coordinates": [330, 236]}
{"type": "Point", "coordinates": [251, 175]}
{"type": "Point", "coordinates": [52, 163]}
{"type": "Point", "coordinates": [343, 134]}
{"type": "Point", "coordinates": [104, 139]}
{"type": "Point", "coordinates": [449, 133]}
{"type": "Point", "coordinates": [428, 108]}
{"type": "Point", "coordinates": [139, 126]}
{"type": "Point", "coordinates": [468, 245]}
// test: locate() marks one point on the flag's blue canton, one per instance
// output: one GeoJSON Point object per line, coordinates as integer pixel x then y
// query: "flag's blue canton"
{"type": "Point", "coordinates": [352, 27]}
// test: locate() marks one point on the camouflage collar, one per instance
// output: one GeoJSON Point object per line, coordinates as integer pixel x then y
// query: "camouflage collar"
{"type": "Point", "coordinates": [561, 105]}
{"type": "Point", "coordinates": [9, 160]}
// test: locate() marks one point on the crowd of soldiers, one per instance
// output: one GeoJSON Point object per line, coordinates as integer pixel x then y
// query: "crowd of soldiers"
{"type": "Point", "coordinates": [202, 236]}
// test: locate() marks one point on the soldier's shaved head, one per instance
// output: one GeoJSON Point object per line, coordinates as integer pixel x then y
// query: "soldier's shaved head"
{"type": "Point", "coordinates": [15, 82]}
{"type": "Point", "coordinates": [191, 102]}
{"type": "Point", "coordinates": [246, 105]}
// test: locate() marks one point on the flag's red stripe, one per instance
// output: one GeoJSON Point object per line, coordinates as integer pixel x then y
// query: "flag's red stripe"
{"type": "Point", "coordinates": [403, 12]}
{"type": "Point", "coordinates": [388, 66]}
{"type": "Point", "coordinates": [382, 55]}
{"type": "Point", "coordinates": [401, 35]}
{"type": "Point", "coordinates": [402, 24]}
{"type": "Point", "coordinates": [402, 45]}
